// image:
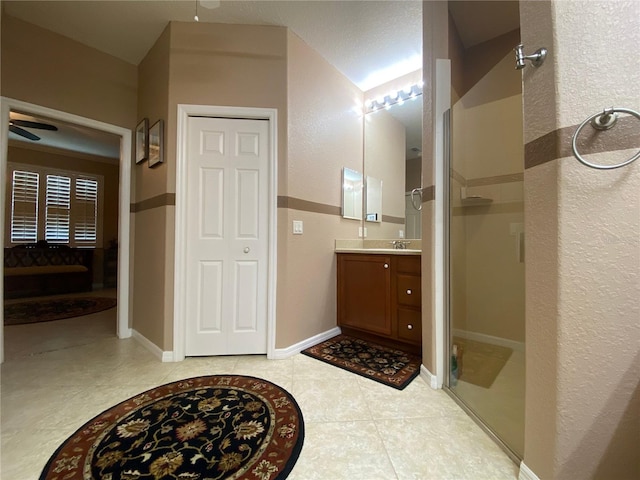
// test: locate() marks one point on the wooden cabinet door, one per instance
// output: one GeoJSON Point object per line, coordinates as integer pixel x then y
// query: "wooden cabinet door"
{"type": "Point", "coordinates": [364, 292]}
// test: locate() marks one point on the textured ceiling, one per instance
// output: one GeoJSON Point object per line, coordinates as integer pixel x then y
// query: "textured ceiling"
{"type": "Point", "coordinates": [357, 37]}
{"type": "Point", "coordinates": [370, 42]}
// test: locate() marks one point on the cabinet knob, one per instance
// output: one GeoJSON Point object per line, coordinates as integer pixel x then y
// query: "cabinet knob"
{"type": "Point", "coordinates": [410, 327]}
{"type": "Point", "coordinates": [386, 265]}
{"type": "Point", "coordinates": [409, 292]}
{"type": "Point", "coordinates": [246, 250]}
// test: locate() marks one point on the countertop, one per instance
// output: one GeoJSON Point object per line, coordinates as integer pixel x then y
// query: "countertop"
{"type": "Point", "coordinates": [380, 251]}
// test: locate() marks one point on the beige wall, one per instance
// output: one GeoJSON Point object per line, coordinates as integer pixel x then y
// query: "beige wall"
{"type": "Point", "coordinates": [325, 134]}
{"type": "Point", "coordinates": [47, 69]}
{"type": "Point", "coordinates": [583, 262]}
{"type": "Point", "coordinates": [228, 65]}
{"type": "Point", "coordinates": [152, 299]}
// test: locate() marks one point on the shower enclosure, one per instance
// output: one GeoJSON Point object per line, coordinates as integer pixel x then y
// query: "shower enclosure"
{"type": "Point", "coordinates": [486, 248]}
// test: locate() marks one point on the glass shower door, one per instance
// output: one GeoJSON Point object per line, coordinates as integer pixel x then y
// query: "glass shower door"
{"type": "Point", "coordinates": [486, 252]}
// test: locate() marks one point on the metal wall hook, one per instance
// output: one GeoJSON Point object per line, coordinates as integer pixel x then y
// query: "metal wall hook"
{"type": "Point", "coordinates": [536, 59]}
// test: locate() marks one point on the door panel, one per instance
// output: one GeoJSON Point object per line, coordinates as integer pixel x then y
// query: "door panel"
{"type": "Point", "coordinates": [210, 287]}
{"type": "Point", "coordinates": [247, 199]}
{"type": "Point", "coordinates": [227, 236]}
{"type": "Point", "coordinates": [212, 194]}
{"type": "Point", "coordinates": [246, 295]}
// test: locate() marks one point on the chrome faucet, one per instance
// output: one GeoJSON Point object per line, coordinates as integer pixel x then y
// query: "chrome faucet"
{"type": "Point", "coordinates": [400, 244]}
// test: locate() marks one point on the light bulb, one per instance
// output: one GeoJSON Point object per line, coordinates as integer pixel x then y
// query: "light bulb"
{"type": "Point", "coordinates": [195, 17]}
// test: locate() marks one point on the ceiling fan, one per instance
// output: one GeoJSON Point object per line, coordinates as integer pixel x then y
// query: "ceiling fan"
{"type": "Point", "coordinates": [15, 127]}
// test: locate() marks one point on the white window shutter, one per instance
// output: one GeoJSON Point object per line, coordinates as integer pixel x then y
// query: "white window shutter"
{"type": "Point", "coordinates": [58, 205]}
{"type": "Point", "coordinates": [86, 211]}
{"type": "Point", "coordinates": [24, 207]}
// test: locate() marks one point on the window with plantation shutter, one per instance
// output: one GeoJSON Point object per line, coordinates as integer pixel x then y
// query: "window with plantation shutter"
{"type": "Point", "coordinates": [85, 214]}
{"type": "Point", "coordinates": [58, 209]}
{"type": "Point", "coordinates": [55, 205]}
{"type": "Point", "coordinates": [24, 206]}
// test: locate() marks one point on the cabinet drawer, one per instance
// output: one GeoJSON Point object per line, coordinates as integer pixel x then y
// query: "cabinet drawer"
{"type": "Point", "coordinates": [408, 290]}
{"type": "Point", "coordinates": [410, 325]}
{"type": "Point", "coordinates": [408, 264]}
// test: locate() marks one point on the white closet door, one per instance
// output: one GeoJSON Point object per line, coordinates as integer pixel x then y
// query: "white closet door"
{"type": "Point", "coordinates": [227, 236]}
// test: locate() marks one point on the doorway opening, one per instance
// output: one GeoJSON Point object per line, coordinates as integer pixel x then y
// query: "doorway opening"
{"type": "Point", "coordinates": [7, 106]}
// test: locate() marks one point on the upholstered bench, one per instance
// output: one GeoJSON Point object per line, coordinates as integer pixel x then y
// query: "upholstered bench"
{"type": "Point", "coordinates": [31, 270]}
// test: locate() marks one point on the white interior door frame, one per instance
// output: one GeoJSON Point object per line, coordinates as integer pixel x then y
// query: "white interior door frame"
{"type": "Point", "coordinates": [8, 104]}
{"type": "Point", "coordinates": [180, 293]}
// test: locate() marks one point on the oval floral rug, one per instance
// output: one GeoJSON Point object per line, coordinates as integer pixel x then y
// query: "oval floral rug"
{"type": "Point", "coordinates": [47, 310]}
{"type": "Point", "coordinates": [213, 427]}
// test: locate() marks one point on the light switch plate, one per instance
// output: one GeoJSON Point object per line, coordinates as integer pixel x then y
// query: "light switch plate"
{"type": "Point", "coordinates": [297, 227]}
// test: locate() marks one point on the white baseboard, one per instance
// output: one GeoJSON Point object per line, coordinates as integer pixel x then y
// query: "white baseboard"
{"type": "Point", "coordinates": [152, 347]}
{"type": "Point", "coordinates": [484, 338]}
{"type": "Point", "coordinates": [281, 353]}
{"type": "Point", "coordinates": [526, 473]}
{"type": "Point", "coordinates": [429, 377]}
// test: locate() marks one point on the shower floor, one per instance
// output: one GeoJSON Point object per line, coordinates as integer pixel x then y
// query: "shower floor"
{"type": "Point", "coordinates": [501, 406]}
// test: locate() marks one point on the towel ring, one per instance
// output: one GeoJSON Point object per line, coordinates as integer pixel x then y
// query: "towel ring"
{"type": "Point", "coordinates": [413, 202]}
{"type": "Point", "coordinates": [603, 121]}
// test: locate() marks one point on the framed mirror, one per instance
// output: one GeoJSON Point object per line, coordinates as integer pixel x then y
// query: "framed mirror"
{"type": "Point", "coordinates": [352, 187]}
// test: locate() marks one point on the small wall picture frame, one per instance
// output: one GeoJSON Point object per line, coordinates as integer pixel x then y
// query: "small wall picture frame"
{"type": "Point", "coordinates": [142, 140]}
{"type": "Point", "coordinates": [156, 140]}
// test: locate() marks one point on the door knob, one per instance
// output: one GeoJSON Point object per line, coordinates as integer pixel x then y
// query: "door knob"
{"type": "Point", "coordinates": [247, 249]}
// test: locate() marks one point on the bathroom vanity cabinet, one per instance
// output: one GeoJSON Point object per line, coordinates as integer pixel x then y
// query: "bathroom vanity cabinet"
{"type": "Point", "coordinates": [379, 298]}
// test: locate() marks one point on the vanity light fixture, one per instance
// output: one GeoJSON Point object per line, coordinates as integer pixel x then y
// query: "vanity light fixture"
{"type": "Point", "coordinates": [395, 97]}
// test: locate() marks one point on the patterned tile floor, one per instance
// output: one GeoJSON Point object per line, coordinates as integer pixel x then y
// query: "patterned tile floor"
{"type": "Point", "coordinates": [58, 375]}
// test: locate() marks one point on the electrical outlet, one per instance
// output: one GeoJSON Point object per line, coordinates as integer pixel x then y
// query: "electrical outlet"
{"type": "Point", "coordinates": [297, 227]}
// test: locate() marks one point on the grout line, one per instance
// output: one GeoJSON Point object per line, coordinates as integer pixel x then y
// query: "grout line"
{"type": "Point", "coordinates": [386, 450]}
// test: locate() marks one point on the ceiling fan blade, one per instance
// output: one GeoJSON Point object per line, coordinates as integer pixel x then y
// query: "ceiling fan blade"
{"type": "Point", "coordinates": [39, 125]}
{"type": "Point", "coordinates": [23, 133]}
